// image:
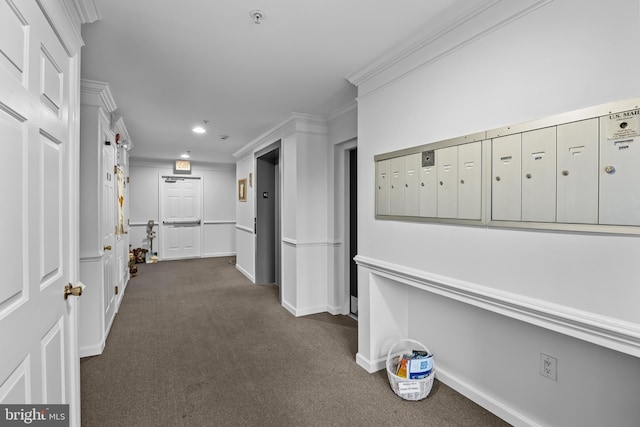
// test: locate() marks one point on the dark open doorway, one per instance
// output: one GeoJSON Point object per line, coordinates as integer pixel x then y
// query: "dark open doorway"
{"type": "Point", "coordinates": [353, 229]}
{"type": "Point", "coordinates": [268, 216]}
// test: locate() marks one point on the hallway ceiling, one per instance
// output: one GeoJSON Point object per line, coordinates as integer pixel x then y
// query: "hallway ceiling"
{"type": "Point", "coordinates": [171, 67]}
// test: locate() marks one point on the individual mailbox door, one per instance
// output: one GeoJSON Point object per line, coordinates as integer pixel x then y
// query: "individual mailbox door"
{"type": "Point", "coordinates": [620, 169]}
{"type": "Point", "coordinates": [577, 172]}
{"type": "Point", "coordinates": [447, 166]}
{"type": "Point", "coordinates": [506, 192]}
{"type": "Point", "coordinates": [396, 192]}
{"type": "Point", "coordinates": [412, 184]}
{"type": "Point", "coordinates": [470, 181]}
{"type": "Point", "coordinates": [539, 175]}
{"type": "Point", "coordinates": [382, 187]}
{"type": "Point", "coordinates": [428, 191]}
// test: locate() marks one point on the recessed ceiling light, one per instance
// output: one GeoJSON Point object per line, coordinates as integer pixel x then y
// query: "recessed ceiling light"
{"type": "Point", "coordinates": [201, 129]}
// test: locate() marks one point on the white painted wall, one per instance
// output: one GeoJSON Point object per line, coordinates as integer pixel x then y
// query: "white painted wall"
{"type": "Point", "coordinates": [501, 68]}
{"type": "Point", "coordinates": [305, 196]}
{"type": "Point", "coordinates": [219, 215]}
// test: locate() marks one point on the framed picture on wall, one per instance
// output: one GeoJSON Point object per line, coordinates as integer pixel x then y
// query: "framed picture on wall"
{"type": "Point", "coordinates": [242, 189]}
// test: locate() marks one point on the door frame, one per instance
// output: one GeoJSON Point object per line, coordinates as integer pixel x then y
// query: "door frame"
{"type": "Point", "coordinates": [278, 212]}
{"type": "Point", "coordinates": [341, 218]}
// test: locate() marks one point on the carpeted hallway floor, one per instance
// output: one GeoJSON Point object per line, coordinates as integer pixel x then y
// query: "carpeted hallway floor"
{"type": "Point", "coordinates": [196, 344]}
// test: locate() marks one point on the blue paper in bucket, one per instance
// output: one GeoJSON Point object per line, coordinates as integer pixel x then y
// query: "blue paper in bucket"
{"type": "Point", "coordinates": [421, 367]}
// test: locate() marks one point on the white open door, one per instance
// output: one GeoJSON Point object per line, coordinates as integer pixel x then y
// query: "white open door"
{"type": "Point", "coordinates": [39, 88]}
{"type": "Point", "coordinates": [180, 217]}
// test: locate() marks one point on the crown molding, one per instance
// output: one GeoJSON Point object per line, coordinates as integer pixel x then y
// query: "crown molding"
{"type": "Point", "coordinates": [66, 18]}
{"type": "Point", "coordinates": [197, 166]}
{"type": "Point", "coordinates": [87, 11]}
{"type": "Point", "coordinates": [295, 122]}
{"type": "Point", "coordinates": [97, 94]}
{"type": "Point", "coordinates": [458, 28]}
{"type": "Point", "coordinates": [419, 41]}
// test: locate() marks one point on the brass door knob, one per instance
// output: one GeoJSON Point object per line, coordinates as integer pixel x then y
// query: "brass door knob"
{"type": "Point", "coordinates": [107, 248]}
{"type": "Point", "coordinates": [69, 289]}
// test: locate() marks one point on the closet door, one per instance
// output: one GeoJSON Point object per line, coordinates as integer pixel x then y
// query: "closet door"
{"type": "Point", "coordinates": [38, 361]}
{"type": "Point", "coordinates": [108, 208]}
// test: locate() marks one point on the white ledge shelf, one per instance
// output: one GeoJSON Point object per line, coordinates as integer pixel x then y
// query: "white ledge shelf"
{"type": "Point", "coordinates": [606, 331]}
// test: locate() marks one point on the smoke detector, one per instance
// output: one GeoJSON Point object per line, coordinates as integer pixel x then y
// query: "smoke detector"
{"type": "Point", "coordinates": [257, 16]}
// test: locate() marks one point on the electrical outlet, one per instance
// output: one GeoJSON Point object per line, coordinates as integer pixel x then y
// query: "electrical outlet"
{"type": "Point", "coordinates": [548, 366]}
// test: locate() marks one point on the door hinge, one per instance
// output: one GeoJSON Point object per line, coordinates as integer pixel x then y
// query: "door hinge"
{"type": "Point", "coordinates": [127, 180]}
{"type": "Point", "coordinates": [115, 169]}
{"type": "Point", "coordinates": [116, 290]}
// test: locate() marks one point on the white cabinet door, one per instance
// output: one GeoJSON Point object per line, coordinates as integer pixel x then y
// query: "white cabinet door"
{"type": "Point", "coordinates": [539, 175]}
{"type": "Point", "coordinates": [412, 184]}
{"type": "Point", "coordinates": [397, 186]}
{"type": "Point", "coordinates": [619, 171]}
{"type": "Point", "coordinates": [39, 361]}
{"type": "Point", "coordinates": [470, 181]}
{"type": "Point", "coordinates": [506, 191]}
{"type": "Point", "coordinates": [383, 186]}
{"type": "Point", "coordinates": [447, 166]}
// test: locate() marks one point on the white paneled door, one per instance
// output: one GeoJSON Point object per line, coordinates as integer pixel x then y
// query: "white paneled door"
{"type": "Point", "coordinates": [180, 217]}
{"type": "Point", "coordinates": [38, 257]}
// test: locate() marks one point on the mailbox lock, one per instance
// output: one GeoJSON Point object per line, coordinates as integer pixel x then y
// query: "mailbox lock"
{"type": "Point", "coordinates": [422, 183]}
{"type": "Point", "coordinates": [610, 169]}
{"type": "Point", "coordinates": [528, 176]}
{"type": "Point", "coordinates": [441, 183]}
{"type": "Point", "coordinates": [565, 173]}
{"type": "Point", "coordinates": [497, 178]}
{"type": "Point", "coordinates": [406, 185]}
{"type": "Point", "coordinates": [462, 181]}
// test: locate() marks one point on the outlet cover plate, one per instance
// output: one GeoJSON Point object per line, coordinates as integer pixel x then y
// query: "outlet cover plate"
{"type": "Point", "coordinates": [549, 366]}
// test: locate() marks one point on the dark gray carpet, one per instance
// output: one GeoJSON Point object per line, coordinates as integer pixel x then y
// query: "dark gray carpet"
{"type": "Point", "coordinates": [196, 344]}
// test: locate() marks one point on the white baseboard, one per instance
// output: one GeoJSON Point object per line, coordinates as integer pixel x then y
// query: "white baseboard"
{"type": "Point", "coordinates": [91, 350]}
{"type": "Point", "coordinates": [489, 403]}
{"type": "Point", "coordinates": [305, 311]}
{"type": "Point", "coordinates": [338, 310]}
{"type": "Point", "coordinates": [299, 312]}
{"type": "Point", "coordinates": [289, 307]}
{"type": "Point", "coordinates": [219, 255]}
{"type": "Point", "coordinates": [368, 365]}
{"type": "Point", "coordinates": [245, 273]}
